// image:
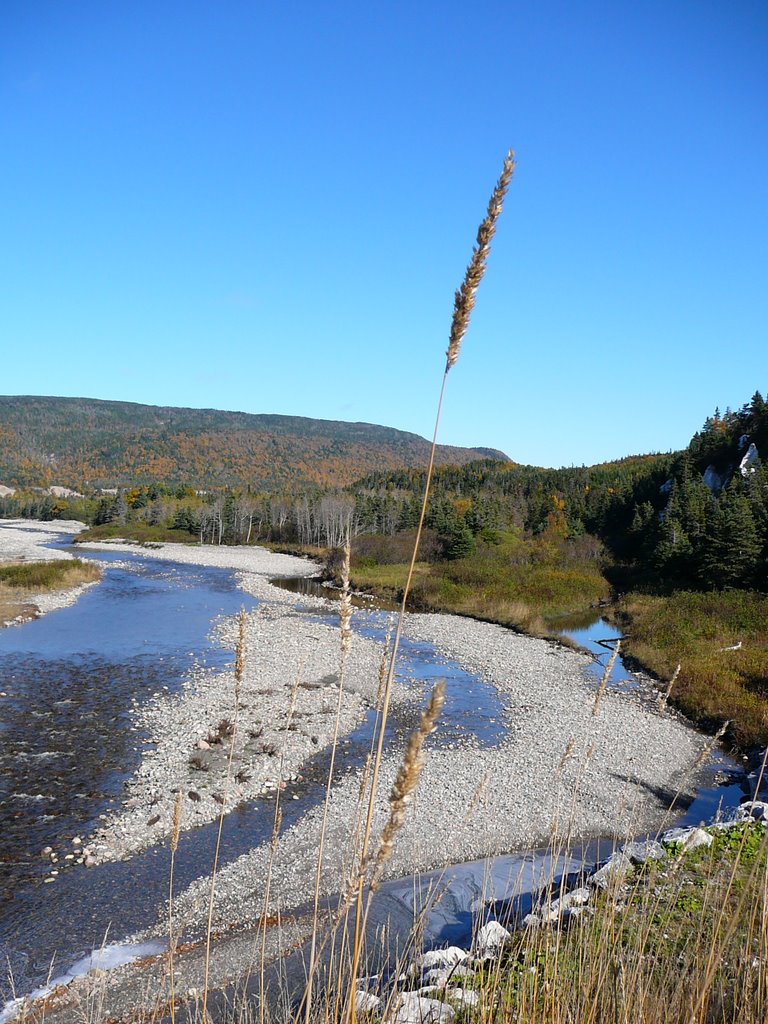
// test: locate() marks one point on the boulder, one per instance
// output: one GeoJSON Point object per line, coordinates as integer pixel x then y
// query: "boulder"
{"type": "Point", "coordinates": [411, 1008]}
{"type": "Point", "coordinates": [612, 873]}
{"type": "Point", "coordinates": [442, 976]}
{"type": "Point", "coordinates": [491, 938]}
{"type": "Point", "coordinates": [640, 852]}
{"type": "Point", "coordinates": [689, 838]}
{"type": "Point", "coordinates": [440, 958]}
{"type": "Point", "coordinates": [752, 810]}
{"type": "Point", "coordinates": [366, 1002]}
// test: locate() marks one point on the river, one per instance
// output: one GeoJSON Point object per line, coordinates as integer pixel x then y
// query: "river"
{"type": "Point", "coordinates": [71, 680]}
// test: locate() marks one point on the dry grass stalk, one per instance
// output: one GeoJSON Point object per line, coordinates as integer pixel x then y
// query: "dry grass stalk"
{"type": "Point", "coordinates": [345, 604]}
{"type": "Point", "coordinates": [606, 676]}
{"type": "Point", "coordinates": [464, 300]}
{"type": "Point", "coordinates": [240, 655]}
{"type": "Point", "coordinates": [175, 831]}
{"type": "Point", "coordinates": [345, 618]}
{"type": "Point", "coordinates": [710, 746]}
{"type": "Point", "coordinates": [239, 670]}
{"type": "Point", "coordinates": [477, 797]}
{"type": "Point", "coordinates": [406, 782]}
{"type": "Point", "coordinates": [569, 749]}
{"type": "Point", "coordinates": [668, 691]}
{"type": "Point", "coordinates": [463, 305]}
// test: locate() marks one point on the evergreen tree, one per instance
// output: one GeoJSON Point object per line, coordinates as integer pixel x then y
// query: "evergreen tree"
{"type": "Point", "coordinates": [732, 549]}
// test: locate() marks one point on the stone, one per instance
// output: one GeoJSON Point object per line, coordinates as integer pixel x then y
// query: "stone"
{"type": "Point", "coordinates": [689, 838]}
{"type": "Point", "coordinates": [612, 873]}
{"type": "Point", "coordinates": [491, 938]}
{"type": "Point", "coordinates": [462, 996]}
{"type": "Point", "coordinates": [754, 810]}
{"type": "Point", "coordinates": [440, 958]}
{"type": "Point", "coordinates": [640, 852]}
{"type": "Point", "coordinates": [576, 898]}
{"type": "Point", "coordinates": [366, 1002]}
{"type": "Point", "coordinates": [411, 1008]}
{"type": "Point", "coordinates": [442, 976]}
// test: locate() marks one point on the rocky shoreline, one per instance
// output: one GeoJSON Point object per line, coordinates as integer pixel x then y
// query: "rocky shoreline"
{"type": "Point", "coordinates": [559, 770]}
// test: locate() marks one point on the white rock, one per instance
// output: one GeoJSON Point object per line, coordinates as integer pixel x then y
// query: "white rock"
{"type": "Point", "coordinates": [440, 958]}
{"type": "Point", "coordinates": [754, 810]}
{"type": "Point", "coordinates": [690, 838]}
{"type": "Point", "coordinates": [576, 897]}
{"type": "Point", "coordinates": [441, 976]}
{"type": "Point", "coordinates": [612, 872]}
{"type": "Point", "coordinates": [366, 1002]}
{"type": "Point", "coordinates": [639, 853]}
{"type": "Point", "coordinates": [491, 938]}
{"type": "Point", "coordinates": [462, 996]}
{"type": "Point", "coordinates": [411, 1008]}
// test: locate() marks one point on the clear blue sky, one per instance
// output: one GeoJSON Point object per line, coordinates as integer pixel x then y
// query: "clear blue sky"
{"type": "Point", "coordinates": [267, 207]}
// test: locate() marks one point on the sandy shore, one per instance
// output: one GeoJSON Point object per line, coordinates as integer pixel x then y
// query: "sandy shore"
{"type": "Point", "coordinates": [24, 540]}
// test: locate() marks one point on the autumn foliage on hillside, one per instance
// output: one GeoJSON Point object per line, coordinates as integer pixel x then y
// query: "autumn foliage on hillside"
{"type": "Point", "coordinates": [83, 443]}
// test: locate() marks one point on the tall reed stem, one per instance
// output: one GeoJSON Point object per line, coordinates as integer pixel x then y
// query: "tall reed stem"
{"type": "Point", "coordinates": [464, 301]}
{"type": "Point", "coordinates": [239, 670]}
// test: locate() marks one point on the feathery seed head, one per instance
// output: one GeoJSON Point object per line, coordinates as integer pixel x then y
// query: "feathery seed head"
{"type": "Point", "coordinates": [406, 781]}
{"type": "Point", "coordinates": [464, 299]}
{"type": "Point", "coordinates": [176, 829]}
{"type": "Point", "coordinates": [345, 604]}
{"type": "Point", "coordinates": [240, 654]}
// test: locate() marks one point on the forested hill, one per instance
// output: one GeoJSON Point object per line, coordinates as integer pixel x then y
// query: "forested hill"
{"type": "Point", "coordinates": [82, 443]}
{"type": "Point", "coordinates": [698, 517]}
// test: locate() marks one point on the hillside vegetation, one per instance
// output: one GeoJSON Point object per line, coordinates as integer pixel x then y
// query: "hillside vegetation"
{"type": "Point", "coordinates": [83, 443]}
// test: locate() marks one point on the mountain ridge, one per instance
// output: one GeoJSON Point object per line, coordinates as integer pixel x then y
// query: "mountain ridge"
{"type": "Point", "coordinates": [97, 442]}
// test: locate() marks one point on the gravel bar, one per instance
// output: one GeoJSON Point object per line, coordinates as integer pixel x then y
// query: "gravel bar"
{"type": "Point", "coordinates": [289, 707]}
{"type": "Point", "coordinates": [561, 771]}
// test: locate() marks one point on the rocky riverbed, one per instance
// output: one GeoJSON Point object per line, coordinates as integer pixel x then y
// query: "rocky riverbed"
{"type": "Point", "coordinates": [559, 769]}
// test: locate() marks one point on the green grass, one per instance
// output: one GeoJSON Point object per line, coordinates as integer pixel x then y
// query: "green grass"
{"type": "Point", "coordinates": [20, 580]}
{"type": "Point", "coordinates": [527, 584]}
{"type": "Point", "coordinates": [683, 940]}
{"type": "Point", "coordinates": [692, 629]}
{"type": "Point", "coordinates": [56, 575]}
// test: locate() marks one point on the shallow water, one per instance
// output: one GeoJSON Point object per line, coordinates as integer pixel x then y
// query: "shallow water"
{"type": "Point", "coordinates": [66, 739]}
{"type": "Point", "coordinates": [68, 745]}
{"type": "Point", "coordinates": [72, 678]}
{"type": "Point", "coordinates": [473, 711]}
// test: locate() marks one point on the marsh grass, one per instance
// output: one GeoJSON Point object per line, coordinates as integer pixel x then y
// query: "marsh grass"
{"type": "Point", "coordinates": [38, 577]}
{"type": "Point", "coordinates": [697, 631]}
{"type": "Point", "coordinates": [21, 581]}
{"type": "Point", "coordinates": [680, 941]}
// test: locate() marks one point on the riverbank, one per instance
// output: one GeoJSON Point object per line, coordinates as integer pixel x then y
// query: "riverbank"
{"type": "Point", "coordinates": [289, 708]}
{"type": "Point", "coordinates": [25, 540]}
{"type": "Point", "coordinates": [560, 769]}
{"type": "Point", "coordinates": [620, 767]}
